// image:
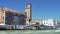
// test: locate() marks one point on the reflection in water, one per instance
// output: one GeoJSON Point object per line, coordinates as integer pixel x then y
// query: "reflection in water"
{"type": "Point", "coordinates": [30, 32]}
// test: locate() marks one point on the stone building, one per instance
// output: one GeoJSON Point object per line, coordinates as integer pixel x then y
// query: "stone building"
{"type": "Point", "coordinates": [28, 12]}
{"type": "Point", "coordinates": [15, 17]}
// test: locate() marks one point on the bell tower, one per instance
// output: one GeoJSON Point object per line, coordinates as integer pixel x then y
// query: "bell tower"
{"type": "Point", "coordinates": [28, 11]}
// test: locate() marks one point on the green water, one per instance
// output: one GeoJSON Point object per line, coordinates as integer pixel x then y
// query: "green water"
{"type": "Point", "coordinates": [29, 31]}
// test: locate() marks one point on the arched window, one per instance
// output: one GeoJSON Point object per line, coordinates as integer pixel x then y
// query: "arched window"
{"type": "Point", "coordinates": [16, 20]}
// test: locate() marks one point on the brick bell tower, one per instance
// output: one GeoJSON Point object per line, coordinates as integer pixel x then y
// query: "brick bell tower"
{"type": "Point", "coordinates": [28, 12]}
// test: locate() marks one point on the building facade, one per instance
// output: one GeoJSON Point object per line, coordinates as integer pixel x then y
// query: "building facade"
{"type": "Point", "coordinates": [11, 17]}
{"type": "Point", "coordinates": [46, 22]}
{"type": "Point", "coordinates": [15, 17]}
{"type": "Point", "coordinates": [58, 25]}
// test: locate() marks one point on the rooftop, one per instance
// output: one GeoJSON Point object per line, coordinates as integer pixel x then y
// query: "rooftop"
{"type": "Point", "coordinates": [10, 10]}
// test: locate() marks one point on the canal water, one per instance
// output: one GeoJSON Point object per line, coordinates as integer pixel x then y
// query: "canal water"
{"type": "Point", "coordinates": [29, 31]}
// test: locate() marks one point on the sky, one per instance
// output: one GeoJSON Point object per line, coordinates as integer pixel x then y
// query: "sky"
{"type": "Point", "coordinates": [40, 8]}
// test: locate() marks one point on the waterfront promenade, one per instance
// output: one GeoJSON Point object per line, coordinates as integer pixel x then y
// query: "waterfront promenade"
{"type": "Point", "coordinates": [29, 31]}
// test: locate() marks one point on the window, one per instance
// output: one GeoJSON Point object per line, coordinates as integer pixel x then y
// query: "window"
{"type": "Point", "coordinates": [44, 23]}
{"type": "Point", "coordinates": [50, 24]}
{"type": "Point", "coordinates": [16, 19]}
